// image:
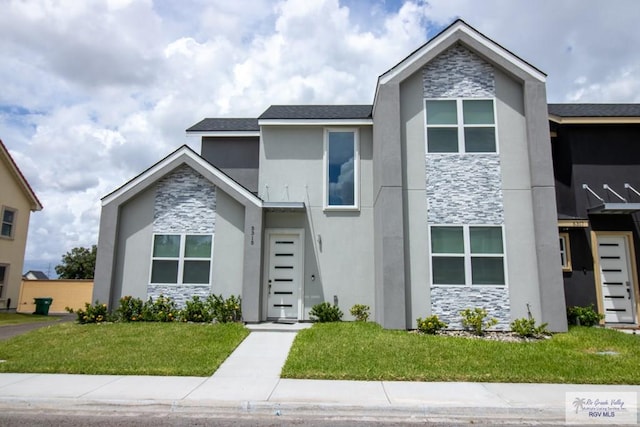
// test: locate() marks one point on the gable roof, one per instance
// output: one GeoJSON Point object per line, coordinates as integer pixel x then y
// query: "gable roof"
{"type": "Point", "coordinates": [460, 32]}
{"type": "Point", "coordinates": [225, 124]}
{"type": "Point", "coordinates": [183, 155]}
{"type": "Point", "coordinates": [39, 275]}
{"type": "Point", "coordinates": [22, 181]}
{"type": "Point", "coordinates": [594, 113]}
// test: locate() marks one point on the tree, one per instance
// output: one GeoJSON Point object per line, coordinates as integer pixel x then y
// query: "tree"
{"type": "Point", "coordinates": [80, 263]}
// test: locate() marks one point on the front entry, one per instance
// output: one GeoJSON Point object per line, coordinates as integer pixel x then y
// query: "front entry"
{"type": "Point", "coordinates": [616, 278]}
{"type": "Point", "coordinates": [284, 275]}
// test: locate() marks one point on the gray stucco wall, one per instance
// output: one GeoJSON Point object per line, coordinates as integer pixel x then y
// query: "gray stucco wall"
{"type": "Point", "coordinates": [133, 256]}
{"type": "Point", "coordinates": [228, 252]}
{"type": "Point", "coordinates": [342, 264]}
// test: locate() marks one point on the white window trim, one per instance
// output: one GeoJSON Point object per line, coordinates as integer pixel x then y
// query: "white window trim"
{"type": "Point", "coordinates": [460, 125]}
{"type": "Point", "coordinates": [356, 171]}
{"type": "Point", "coordinates": [13, 224]}
{"type": "Point", "coordinates": [467, 257]}
{"type": "Point", "coordinates": [565, 252]}
{"type": "Point", "coordinates": [181, 258]}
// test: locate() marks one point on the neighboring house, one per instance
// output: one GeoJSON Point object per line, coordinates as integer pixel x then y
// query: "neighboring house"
{"type": "Point", "coordinates": [35, 275]}
{"type": "Point", "coordinates": [597, 171]}
{"type": "Point", "coordinates": [438, 197]}
{"type": "Point", "coordinates": [17, 201]}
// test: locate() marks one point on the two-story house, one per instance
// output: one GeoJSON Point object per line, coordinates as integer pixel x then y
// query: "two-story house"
{"type": "Point", "coordinates": [437, 197]}
{"type": "Point", "coordinates": [597, 170]}
{"type": "Point", "coordinates": [17, 201]}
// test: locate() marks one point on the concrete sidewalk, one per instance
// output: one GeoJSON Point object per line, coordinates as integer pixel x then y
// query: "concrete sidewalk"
{"type": "Point", "coordinates": [248, 384]}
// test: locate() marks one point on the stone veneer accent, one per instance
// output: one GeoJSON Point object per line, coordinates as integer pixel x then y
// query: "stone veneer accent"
{"type": "Point", "coordinates": [448, 301]}
{"type": "Point", "coordinates": [180, 294]}
{"type": "Point", "coordinates": [464, 189]}
{"type": "Point", "coordinates": [458, 73]}
{"type": "Point", "coordinates": [185, 202]}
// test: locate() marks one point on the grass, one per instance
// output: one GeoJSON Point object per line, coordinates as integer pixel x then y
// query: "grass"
{"type": "Point", "coordinates": [18, 318]}
{"type": "Point", "coordinates": [365, 351]}
{"type": "Point", "coordinates": [181, 349]}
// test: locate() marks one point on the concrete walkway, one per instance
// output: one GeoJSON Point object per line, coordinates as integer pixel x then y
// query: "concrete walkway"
{"type": "Point", "coordinates": [247, 384]}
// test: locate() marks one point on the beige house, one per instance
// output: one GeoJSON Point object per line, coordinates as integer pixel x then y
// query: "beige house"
{"type": "Point", "coordinates": [17, 201]}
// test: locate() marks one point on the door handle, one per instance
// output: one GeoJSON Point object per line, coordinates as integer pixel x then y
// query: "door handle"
{"type": "Point", "coordinates": [629, 290]}
{"type": "Point", "coordinates": [269, 287]}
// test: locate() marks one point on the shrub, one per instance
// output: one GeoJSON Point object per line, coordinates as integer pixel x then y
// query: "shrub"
{"type": "Point", "coordinates": [527, 327]}
{"type": "Point", "coordinates": [585, 316]}
{"type": "Point", "coordinates": [96, 313]}
{"type": "Point", "coordinates": [225, 311]}
{"type": "Point", "coordinates": [130, 309]}
{"type": "Point", "coordinates": [163, 309]}
{"type": "Point", "coordinates": [430, 325]}
{"type": "Point", "coordinates": [325, 312]}
{"type": "Point", "coordinates": [360, 312]}
{"type": "Point", "coordinates": [474, 320]}
{"type": "Point", "coordinates": [196, 310]}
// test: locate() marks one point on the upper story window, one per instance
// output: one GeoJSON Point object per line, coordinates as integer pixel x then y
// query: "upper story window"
{"type": "Point", "coordinates": [181, 259]}
{"type": "Point", "coordinates": [8, 222]}
{"type": "Point", "coordinates": [341, 169]}
{"type": "Point", "coordinates": [460, 126]}
{"type": "Point", "coordinates": [467, 255]}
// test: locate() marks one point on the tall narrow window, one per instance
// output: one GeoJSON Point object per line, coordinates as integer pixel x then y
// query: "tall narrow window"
{"type": "Point", "coordinates": [341, 169]}
{"type": "Point", "coordinates": [8, 222]}
{"type": "Point", "coordinates": [181, 259]}
{"type": "Point", "coordinates": [467, 255]}
{"type": "Point", "coordinates": [460, 126]}
{"type": "Point", "coordinates": [565, 252]}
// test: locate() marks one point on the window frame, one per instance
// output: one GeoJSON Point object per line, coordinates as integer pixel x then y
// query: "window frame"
{"type": "Point", "coordinates": [356, 170]}
{"type": "Point", "coordinates": [461, 126]}
{"type": "Point", "coordinates": [181, 258]}
{"type": "Point", "coordinates": [468, 256]}
{"type": "Point", "coordinates": [565, 252]}
{"type": "Point", "coordinates": [11, 235]}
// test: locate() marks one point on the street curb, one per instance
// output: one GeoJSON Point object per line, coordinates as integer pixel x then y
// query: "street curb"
{"type": "Point", "coordinates": [290, 411]}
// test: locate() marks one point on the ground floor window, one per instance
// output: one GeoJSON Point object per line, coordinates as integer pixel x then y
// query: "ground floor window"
{"type": "Point", "coordinates": [181, 259]}
{"type": "Point", "coordinates": [565, 252]}
{"type": "Point", "coordinates": [467, 255]}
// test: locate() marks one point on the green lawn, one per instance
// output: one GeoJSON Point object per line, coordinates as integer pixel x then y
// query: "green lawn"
{"type": "Point", "coordinates": [364, 351]}
{"type": "Point", "coordinates": [182, 349]}
{"type": "Point", "coordinates": [18, 318]}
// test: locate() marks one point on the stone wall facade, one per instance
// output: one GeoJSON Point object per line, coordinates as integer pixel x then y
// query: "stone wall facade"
{"type": "Point", "coordinates": [464, 188]}
{"type": "Point", "coordinates": [185, 202]}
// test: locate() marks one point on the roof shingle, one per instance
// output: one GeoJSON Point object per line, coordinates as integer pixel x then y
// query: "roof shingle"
{"type": "Point", "coordinates": [225, 125]}
{"type": "Point", "coordinates": [594, 110]}
{"type": "Point", "coordinates": [315, 112]}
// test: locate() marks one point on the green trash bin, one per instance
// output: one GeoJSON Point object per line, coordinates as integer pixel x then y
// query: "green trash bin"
{"type": "Point", "coordinates": [42, 305]}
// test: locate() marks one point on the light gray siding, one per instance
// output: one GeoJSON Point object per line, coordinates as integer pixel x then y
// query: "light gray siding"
{"type": "Point", "coordinates": [228, 250]}
{"type": "Point", "coordinates": [338, 244]}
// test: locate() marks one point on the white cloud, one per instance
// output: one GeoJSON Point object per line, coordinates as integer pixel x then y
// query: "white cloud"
{"type": "Point", "coordinates": [95, 92]}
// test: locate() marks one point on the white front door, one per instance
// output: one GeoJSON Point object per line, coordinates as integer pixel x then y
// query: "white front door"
{"type": "Point", "coordinates": [284, 275]}
{"type": "Point", "coordinates": [616, 279]}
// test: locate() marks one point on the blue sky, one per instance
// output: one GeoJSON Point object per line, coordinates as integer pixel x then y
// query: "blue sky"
{"type": "Point", "coordinates": [95, 92]}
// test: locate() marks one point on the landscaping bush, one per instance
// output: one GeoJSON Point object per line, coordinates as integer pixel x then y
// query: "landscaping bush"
{"type": "Point", "coordinates": [163, 309]}
{"type": "Point", "coordinates": [585, 316]}
{"type": "Point", "coordinates": [430, 325]}
{"type": "Point", "coordinates": [96, 313]}
{"type": "Point", "coordinates": [325, 312]}
{"type": "Point", "coordinates": [130, 309]}
{"type": "Point", "coordinates": [225, 311]}
{"type": "Point", "coordinates": [196, 310]}
{"type": "Point", "coordinates": [360, 312]}
{"type": "Point", "coordinates": [474, 320]}
{"type": "Point", "coordinates": [527, 327]}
